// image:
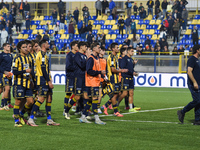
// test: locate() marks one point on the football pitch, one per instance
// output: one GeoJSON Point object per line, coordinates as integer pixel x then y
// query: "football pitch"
{"type": "Point", "coordinates": [155, 127]}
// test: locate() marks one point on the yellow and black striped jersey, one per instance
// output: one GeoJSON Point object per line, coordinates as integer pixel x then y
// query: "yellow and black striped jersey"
{"type": "Point", "coordinates": [42, 69]}
{"type": "Point", "coordinates": [112, 61]}
{"type": "Point", "coordinates": [32, 58]}
{"type": "Point", "coordinates": [19, 66]}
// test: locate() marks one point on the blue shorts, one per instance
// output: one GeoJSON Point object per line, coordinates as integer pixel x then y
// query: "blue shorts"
{"type": "Point", "coordinates": [92, 91]}
{"type": "Point", "coordinates": [6, 81]}
{"type": "Point", "coordinates": [69, 87]}
{"type": "Point", "coordinates": [35, 88]}
{"type": "Point", "coordinates": [44, 90]}
{"type": "Point", "coordinates": [127, 84]}
{"type": "Point", "coordinates": [21, 92]}
{"type": "Point", "coordinates": [113, 89]}
{"type": "Point", "coordinates": [79, 85]}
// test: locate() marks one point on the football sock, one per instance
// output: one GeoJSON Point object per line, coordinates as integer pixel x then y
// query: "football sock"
{"type": "Point", "coordinates": [35, 108]}
{"type": "Point", "coordinates": [6, 101]}
{"type": "Point", "coordinates": [70, 104]}
{"type": "Point", "coordinates": [2, 102]}
{"type": "Point", "coordinates": [9, 100]}
{"type": "Point", "coordinates": [87, 105]}
{"type": "Point", "coordinates": [115, 108]}
{"type": "Point", "coordinates": [98, 105]}
{"type": "Point", "coordinates": [133, 105]}
{"type": "Point", "coordinates": [126, 101]}
{"type": "Point", "coordinates": [66, 100]}
{"type": "Point", "coordinates": [81, 104]}
{"type": "Point", "coordinates": [24, 109]}
{"type": "Point", "coordinates": [94, 106]}
{"type": "Point", "coordinates": [107, 104]}
{"type": "Point", "coordinates": [16, 113]}
{"type": "Point", "coordinates": [48, 110]}
{"type": "Point", "coordinates": [130, 106]}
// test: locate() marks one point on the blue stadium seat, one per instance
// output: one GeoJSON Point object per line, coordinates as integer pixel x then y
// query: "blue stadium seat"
{"type": "Point", "coordinates": [24, 32]}
{"type": "Point", "coordinates": [94, 31]}
{"type": "Point", "coordinates": [119, 36]}
{"type": "Point", "coordinates": [69, 41]}
{"type": "Point", "coordinates": [149, 27]}
{"type": "Point", "coordinates": [139, 32]}
{"type": "Point", "coordinates": [29, 31]}
{"type": "Point", "coordinates": [154, 17]}
{"type": "Point", "coordinates": [110, 17]}
{"type": "Point", "coordinates": [115, 40]}
{"type": "Point", "coordinates": [94, 18]}
{"type": "Point", "coordinates": [57, 36]}
{"type": "Point", "coordinates": [150, 36]}
{"type": "Point", "coordinates": [37, 22]}
{"type": "Point", "coordinates": [155, 27]}
{"type": "Point", "coordinates": [190, 37]}
{"type": "Point", "coordinates": [137, 17]}
{"type": "Point", "coordinates": [101, 22]}
{"type": "Point", "coordinates": [182, 42]}
{"type": "Point", "coordinates": [188, 42]}
{"type": "Point", "coordinates": [51, 31]}
{"type": "Point", "coordinates": [142, 37]}
{"type": "Point", "coordinates": [39, 27]}
{"type": "Point", "coordinates": [141, 22]}
{"type": "Point", "coordinates": [16, 41]}
{"type": "Point", "coordinates": [50, 18]}
{"type": "Point", "coordinates": [197, 17]}
{"type": "Point", "coordinates": [111, 32]}
{"type": "Point", "coordinates": [116, 31]}
{"type": "Point", "coordinates": [43, 27]}
{"type": "Point", "coordinates": [31, 36]}
{"type": "Point", "coordinates": [65, 40]}
{"type": "Point", "coordinates": [103, 27]}
{"type": "Point", "coordinates": [32, 22]}
{"type": "Point", "coordinates": [146, 22]}
{"type": "Point", "coordinates": [96, 22]}
{"type": "Point", "coordinates": [109, 27]}
{"type": "Point", "coordinates": [190, 26]}
{"type": "Point", "coordinates": [74, 36]}
{"type": "Point", "coordinates": [125, 36]}
{"type": "Point", "coordinates": [198, 26]}
{"type": "Point", "coordinates": [66, 32]}
{"type": "Point", "coordinates": [120, 41]}
{"type": "Point", "coordinates": [46, 17]}
{"type": "Point", "coordinates": [133, 17]}
{"type": "Point", "coordinates": [157, 32]}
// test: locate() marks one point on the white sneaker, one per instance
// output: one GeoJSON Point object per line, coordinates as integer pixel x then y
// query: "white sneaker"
{"type": "Point", "coordinates": [84, 120]}
{"type": "Point", "coordinates": [73, 108]}
{"type": "Point", "coordinates": [90, 118]}
{"type": "Point", "coordinates": [99, 111]}
{"type": "Point", "coordinates": [98, 121]}
{"type": "Point", "coordinates": [67, 116]}
{"type": "Point", "coordinates": [6, 108]}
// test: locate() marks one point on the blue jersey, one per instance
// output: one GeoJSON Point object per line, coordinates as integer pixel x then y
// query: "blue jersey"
{"type": "Point", "coordinates": [127, 63]}
{"type": "Point", "coordinates": [5, 62]}
{"type": "Point", "coordinates": [70, 65]}
{"type": "Point", "coordinates": [194, 63]}
{"type": "Point", "coordinates": [80, 65]}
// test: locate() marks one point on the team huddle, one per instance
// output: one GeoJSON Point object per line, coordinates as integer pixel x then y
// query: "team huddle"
{"type": "Point", "coordinates": [89, 77]}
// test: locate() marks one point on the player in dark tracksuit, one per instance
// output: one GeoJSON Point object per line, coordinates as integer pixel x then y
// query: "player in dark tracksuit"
{"type": "Point", "coordinates": [79, 67]}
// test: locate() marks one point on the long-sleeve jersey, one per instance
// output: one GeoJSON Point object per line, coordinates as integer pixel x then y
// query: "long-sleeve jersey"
{"type": "Point", "coordinates": [5, 62]}
{"type": "Point", "coordinates": [89, 67]}
{"type": "Point", "coordinates": [70, 65]}
{"type": "Point", "coordinates": [127, 63]}
{"type": "Point", "coordinates": [80, 65]}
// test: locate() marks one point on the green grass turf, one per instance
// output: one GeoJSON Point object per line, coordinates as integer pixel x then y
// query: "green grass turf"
{"type": "Point", "coordinates": [115, 135]}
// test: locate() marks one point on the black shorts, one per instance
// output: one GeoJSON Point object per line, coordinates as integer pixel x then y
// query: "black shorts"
{"type": "Point", "coordinates": [92, 91]}
{"type": "Point", "coordinates": [21, 92]}
{"type": "Point", "coordinates": [44, 90]}
{"type": "Point", "coordinates": [69, 87]}
{"type": "Point", "coordinates": [113, 89]}
{"type": "Point", "coordinates": [79, 86]}
{"type": "Point", "coordinates": [127, 84]}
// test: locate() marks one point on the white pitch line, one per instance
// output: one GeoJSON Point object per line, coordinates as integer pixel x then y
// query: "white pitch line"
{"type": "Point", "coordinates": [145, 111]}
{"type": "Point", "coordinates": [162, 122]}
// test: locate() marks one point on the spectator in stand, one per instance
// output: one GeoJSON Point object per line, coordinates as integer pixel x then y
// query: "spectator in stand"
{"type": "Point", "coordinates": [26, 8]}
{"type": "Point", "coordinates": [69, 15]}
{"type": "Point", "coordinates": [46, 37]}
{"type": "Point", "coordinates": [139, 49]}
{"type": "Point", "coordinates": [163, 43]}
{"type": "Point", "coordinates": [158, 49]}
{"type": "Point", "coordinates": [126, 42]}
{"type": "Point", "coordinates": [54, 49]}
{"type": "Point", "coordinates": [4, 35]}
{"type": "Point", "coordinates": [184, 2]}
{"type": "Point", "coordinates": [3, 11]}
{"type": "Point", "coordinates": [147, 41]}
{"type": "Point", "coordinates": [195, 36]}
{"type": "Point", "coordinates": [159, 15]}
{"type": "Point", "coordinates": [140, 8]}
{"type": "Point", "coordinates": [13, 12]}
{"type": "Point", "coordinates": [86, 15]}
{"type": "Point", "coordinates": [181, 50]}
{"type": "Point", "coordinates": [181, 6]}
{"type": "Point", "coordinates": [157, 44]}
{"type": "Point", "coordinates": [171, 23]}
{"type": "Point", "coordinates": [83, 31]}
{"type": "Point", "coordinates": [73, 20]}
{"type": "Point", "coordinates": [128, 7]}
{"type": "Point", "coordinates": [165, 50]}
{"type": "Point", "coordinates": [128, 25]}
{"type": "Point", "coordinates": [89, 37]}
{"type": "Point", "coordinates": [52, 39]}
{"type": "Point", "coordinates": [3, 22]}
{"type": "Point", "coordinates": [164, 7]}
{"type": "Point", "coordinates": [176, 27]}
{"type": "Point", "coordinates": [21, 7]}
{"type": "Point", "coordinates": [9, 30]}
{"type": "Point", "coordinates": [135, 40]}
{"type": "Point", "coordinates": [76, 14]}
{"type": "Point", "coordinates": [121, 25]}
{"type": "Point", "coordinates": [62, 21]}
{"type": "Point", "coordinates": [2, 4]}
{"type": "Point", "coordinates": [14, 3]}
{"type": "Point", "coordinates": [56, 28]}
{"type": "Point", "coordinates": [61, 6]}
{"type": "Point", "coordinates": [135, 9]}
{"type": "Point", "coordinates": [80, 24]}
{"type": "Point", "coordinates": [9, 17]}
{"type": "Point", "coordinates": [98, 38]}
{"type": "Point", "coordinates": [133, 27]}
{"type": "Point", "coordinates": [54, 16]}
{"type": "Point", "coordinates": [38, 37]}
{"type": "Point", "coordinates": [176, 14]}
{"type": "Point", "coordinates": [28, 21]}
{"type": "Point", "coordinates": [103, 39]}
{"type": "Point", "coordinates": [175, 6]}
{"type": "Point", "coordinates": [111, 6]}
{"type": "Point", "coordinates": [46, 27]}
{"type": "Point", "coordinates": [163, 33]}
{"type": "Point", "coordinates": [18, 22]}
{"type": "Point", "coordinates": [1, 27]}
{"type": "Point", "coordinates": [13, 47]}
{"type": "Point", "coordinates": [157, 6]}
{"type": "Point", "coordinates": [64, 49]}
{"type": "Point", "coordinates": [84, 8]}
{"type": "Point", "coordinates": [175, 51]}
{"type": "Point", "coordinates": [89, 27]}
{"type": "Point", "coordinates": [98, 6]}
{"type": "Point", "coordinates": [114, 13]}
{"type": "Point", "coordinates": [166, 25]}
{"type": "Point", "coordinates": [150, 4]}
{"type": "Point", "coordinates": [7, 5]}
{"type": "Point", "coordinates": [105, 6]}
{"type": "Point", "coordinates": [71, 30]}
{"type": "Point", "coordinates": [142, 14]}
{"type": "Point", "coordinates": [184, 17]}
